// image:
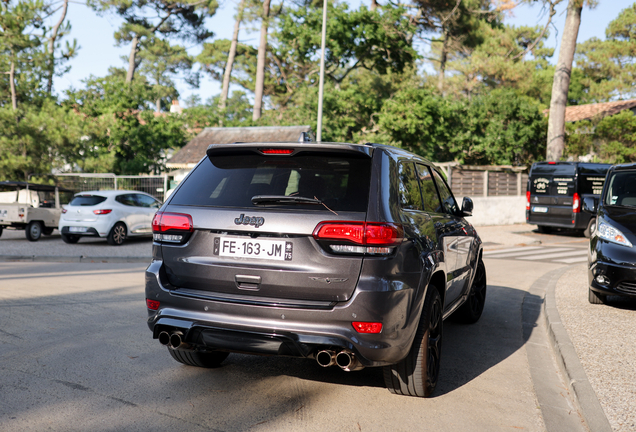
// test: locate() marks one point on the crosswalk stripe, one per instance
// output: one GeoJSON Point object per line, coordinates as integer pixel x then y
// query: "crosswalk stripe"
{"type": "Point", "coordinates": [572, 260]}
{"type": "Point", "coordinates": [568, 254]}
{"type": "Point", "coordinates": [522, 248]}
{"type": "Point", "coordinates": [532, 252]}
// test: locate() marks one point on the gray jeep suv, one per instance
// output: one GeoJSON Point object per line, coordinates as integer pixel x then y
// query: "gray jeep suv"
{"type": "Point", "coordinates": [348, 254]}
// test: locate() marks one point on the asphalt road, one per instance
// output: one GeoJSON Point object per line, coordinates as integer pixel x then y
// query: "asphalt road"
{"type": "Point", "coordinates": [76, 354]}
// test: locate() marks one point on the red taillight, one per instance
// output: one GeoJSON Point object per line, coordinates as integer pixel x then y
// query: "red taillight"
{"type": "Point", "coordinates": [576, 203]}
{"type": "Point", "coordinates": [165, 221]}
{"type": "Point", "coordinates": [527, 200]}
{"type": "Point", "coordinates": [64, 210]}
{"type": "Point", "coordinates": [367, 327]}
{"type": "Point", "coordinates": [362, 233]}
{"type": "Point", "coordinates": [102, 211]}
{"type": "Point", "coordinates": [152, 304]}
{"type": "Point", "coordinates": [276, 151]}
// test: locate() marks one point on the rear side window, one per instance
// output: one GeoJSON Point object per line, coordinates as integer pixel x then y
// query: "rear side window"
{"type": "Point", "coordinates": [554, 169]}
{"type": "Point", "coordinates": [448, 201]}
{"type": "Point", "coordinates": [87, 200]}
{"type": "Point", "coordinates": [341, 182]}
{"type": "Point", "coordinates": [429, 192]}
{"type": "Point", "coordinates": [127, 199]}
{"type": "Point", "coordinates": [409, 189]}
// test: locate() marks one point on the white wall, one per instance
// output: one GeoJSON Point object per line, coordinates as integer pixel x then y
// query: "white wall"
{"type": "Point", "coordinates": [498, 210]}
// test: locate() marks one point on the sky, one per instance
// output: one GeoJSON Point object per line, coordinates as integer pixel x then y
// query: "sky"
{"type": "Point", "coordinates": [98, 52]}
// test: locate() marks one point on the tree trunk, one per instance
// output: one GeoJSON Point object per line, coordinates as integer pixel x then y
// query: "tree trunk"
{"type": "Point", "coordinates": [56, 28]}
{"type": "Point", "coordinates": [132, 60]}
{"type": "Point", "coordinates": [231, 55]}
{"type": "Point", "coordinates": [14, 99]}
{"type": "Point", "coordinates": [158, 104]}
{"type": "Point", "coordinates": [260, 64]}
{"type": "Point", "coordinates": [443, 58]}
{"type": "Point", "coordinates": [561, 83]}
{"type": "Point", "coordinates": [374, 5]}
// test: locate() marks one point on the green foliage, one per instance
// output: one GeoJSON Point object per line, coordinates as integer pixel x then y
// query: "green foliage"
{"type": "Point", "coordinates": [497, 128]}
{"type": "Point", "coordinates": [35, 139]}
{"type": "Point", "coordinates": [238, 112]}
{"type": "Point", "coordinates": [609, 66]}
{"type": "Point", "coordinates": [611, 139]}
{"type": "Point", "coordinates": [118, 129]}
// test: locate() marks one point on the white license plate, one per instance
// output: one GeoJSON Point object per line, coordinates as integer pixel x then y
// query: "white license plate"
{"type": "Point", "coordinates": [539, 209]}
{"type": "Point", "coordinates": [240, 247]}
{"type": "Point", "coordinates": [77, 229]}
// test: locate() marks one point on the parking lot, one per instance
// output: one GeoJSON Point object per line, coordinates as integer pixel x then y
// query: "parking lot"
{"type": "Point", "coordinates": [77, 355]}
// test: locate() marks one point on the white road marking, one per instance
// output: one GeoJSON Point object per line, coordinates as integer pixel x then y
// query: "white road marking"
{"type": "Point", "coordinates": [533, 252]}
{"type": "Point", "coordinates": [572, 260]}
{"type": "Point", "coordinates": [521, 248]}
{"type": "Point", "coordinates": [569, 254]}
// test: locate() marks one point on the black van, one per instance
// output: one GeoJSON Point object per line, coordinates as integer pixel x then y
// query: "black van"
{"type": "Point", "coordinates": [555, 192]}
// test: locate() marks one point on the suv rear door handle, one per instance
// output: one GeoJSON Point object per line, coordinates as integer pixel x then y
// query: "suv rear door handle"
{"type": "Point", "coordinates": [247, 282]}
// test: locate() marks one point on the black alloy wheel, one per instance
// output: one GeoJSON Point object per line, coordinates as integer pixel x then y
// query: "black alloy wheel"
{"type": "Point", "coordinates": [117, 234]}
{"type": "Point", "coordinates": [471, 310]}
{"type": "Point", "coordinates": [34, 231]}
{"type": "Point", "coordinates": [418, 373]}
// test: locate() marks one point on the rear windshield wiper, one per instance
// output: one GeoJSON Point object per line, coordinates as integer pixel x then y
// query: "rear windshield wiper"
{"type": "Point", "coordinates": [283, 199]}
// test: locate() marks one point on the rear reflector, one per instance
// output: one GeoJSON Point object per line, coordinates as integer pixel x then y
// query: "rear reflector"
{"type": "Point", "coordinates": [102, 211]}
{"type": "Point", "coordinates": [152, 304]}
{"type": "Point", "coordinates": [367, 327]}
{"type": "Point", "coordinates": [276, 151]}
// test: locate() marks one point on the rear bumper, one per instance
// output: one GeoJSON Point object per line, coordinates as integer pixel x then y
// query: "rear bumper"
{"type": "Point", "coordinates": [580, 220]}
{"type": "Point", "coordinates": [299, 331]}
{"type": "Point", "coordinates": [90, 232]}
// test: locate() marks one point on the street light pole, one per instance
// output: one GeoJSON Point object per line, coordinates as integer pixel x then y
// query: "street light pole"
{"type": "Point", "coordinates": [321, 85]}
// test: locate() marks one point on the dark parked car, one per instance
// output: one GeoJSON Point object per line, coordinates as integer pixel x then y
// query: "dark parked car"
{"type": "Point", "coordinates": [555, 193]}
{"type": "Point", "coordinates": [612, 258]}
{"type": "Point", "coordinates": [351, 255]}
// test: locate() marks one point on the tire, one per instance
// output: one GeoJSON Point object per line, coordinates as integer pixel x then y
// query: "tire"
{"type": "Point", "coordinates": [70, 239]}
{"type": "Point", "coordinates": [591, 228]}
{"type": "Point", "coordinates": [471, 310]}
{"type": "Point", "coordinates": [34, 231]}
{"type": "Point", "coordinates": [544, 229]}
{"type": "Point", "coordinates": [47, 231]}
{"type": "Point", "coordinates": [418, 373]}
{"type": "Point", "coordinates": [1, 228]}
{"type": "Point", "coordinates": [596, 298]}
{"type": "Point", "coordinates": [117, 234]}
{"type": "Point", "coordinates": [211, 359]}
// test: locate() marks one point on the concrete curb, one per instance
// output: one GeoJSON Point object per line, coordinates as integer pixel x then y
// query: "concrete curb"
{"type": "Point", "coordinates": [74, 259]}
{"type": "Point", "coordinates": [569, 362]}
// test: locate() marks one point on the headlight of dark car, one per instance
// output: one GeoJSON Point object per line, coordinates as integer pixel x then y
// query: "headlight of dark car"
{"type": "Point", "coordinates": [611, 234]}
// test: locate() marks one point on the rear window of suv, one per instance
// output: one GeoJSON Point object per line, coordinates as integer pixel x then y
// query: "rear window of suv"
{"type": "Point", "coordinates": [87, 200]}
{"type": "Point", "coordinates": [340, 181]}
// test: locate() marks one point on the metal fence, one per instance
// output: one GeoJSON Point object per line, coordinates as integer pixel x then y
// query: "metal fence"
{"type": "Point", "coordinates": [155, 185]}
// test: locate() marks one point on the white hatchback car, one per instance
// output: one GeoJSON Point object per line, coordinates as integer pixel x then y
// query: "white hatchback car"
{"type": "Point", "coordinates": [114, 214]}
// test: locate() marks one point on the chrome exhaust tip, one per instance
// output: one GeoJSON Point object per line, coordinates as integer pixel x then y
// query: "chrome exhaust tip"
{"type": "Point", "coordinates": [164, 338]}
{"type": "Point", "coordinates": [175, 340]}
{"type": "Point", "coordinates": [348, 362]}
{"type": "Point", "coordinates": [326, 358]}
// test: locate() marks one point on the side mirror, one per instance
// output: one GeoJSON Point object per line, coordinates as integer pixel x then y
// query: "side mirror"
{"type": "Point", "coordinates": [590, 204]}
{"type": "Point", "coordinates": [467, 207]}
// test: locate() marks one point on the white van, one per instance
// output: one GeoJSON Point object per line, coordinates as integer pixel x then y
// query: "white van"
{"type": "Point", "coordinates": [35, 208]}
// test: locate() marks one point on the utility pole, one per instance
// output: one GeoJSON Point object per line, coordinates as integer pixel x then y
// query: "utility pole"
{"type": "Point", "coordinates": [321, 85]}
